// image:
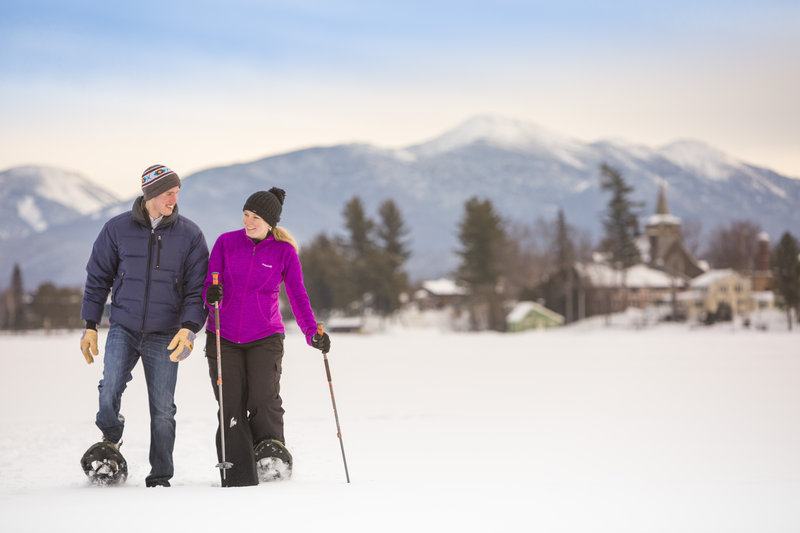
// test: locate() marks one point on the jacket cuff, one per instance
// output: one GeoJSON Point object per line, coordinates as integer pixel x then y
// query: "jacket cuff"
{"type": "Point", "coordinates": [191, 326]}
{"type": "Point", "coordinates": [91, 325]}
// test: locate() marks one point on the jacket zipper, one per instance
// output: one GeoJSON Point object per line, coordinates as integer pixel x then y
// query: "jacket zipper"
{"type": "Point", "coordinates": [158, 257]}
{"type": "Point", "coordinates": [115, 296]}
{"type": "Point", "coordinates": [147, 282]}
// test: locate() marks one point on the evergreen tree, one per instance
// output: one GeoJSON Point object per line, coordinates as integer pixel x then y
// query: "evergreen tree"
{"type": "Point", "coordinates": [361, 248]}
{"type": "Point", "coordinates": [565, 254]}
{"type": "Point", "coordinates": [620, 222]}
{"type": "Point", "coordinates": [392, 232]}
{"type": "Point", "coordinates": [391, 279]}
{"type": "Point", "coordinates": [621, 225]}
{"type": "Point", "coordinates": [786, 273]}
{"type": "Point", "coordinates": [363, 269]}
{"type": "Point", "coordinates": [4, 310]}
{"type": "Point", "coordinates": [326, 273]}
{"type": "Point", "coordinates": [360, 228]}
{"type": "Point", "coordinates": [15, 303]}
{"type": "Point", "coordinates": [483, 239]}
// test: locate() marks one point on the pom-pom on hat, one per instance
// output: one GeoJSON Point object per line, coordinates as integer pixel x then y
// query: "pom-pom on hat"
{"type": "Point", "coordinates": [158, 179]}
{"type": "Point", "coordinates": [267, 204]}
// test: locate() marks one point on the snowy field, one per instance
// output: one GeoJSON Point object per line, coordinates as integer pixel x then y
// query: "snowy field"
{"type": "Point", "coordinates": [665, 429]}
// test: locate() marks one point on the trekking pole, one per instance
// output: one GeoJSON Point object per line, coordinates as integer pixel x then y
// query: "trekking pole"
{"type": "Point", "coordinates": [224, 465]}
{"type": "Point", "coordinates": [333, 401]}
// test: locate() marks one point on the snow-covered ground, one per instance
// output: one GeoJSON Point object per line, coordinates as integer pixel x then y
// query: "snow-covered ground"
{"type": "Point", "coordinates": [585, 429]}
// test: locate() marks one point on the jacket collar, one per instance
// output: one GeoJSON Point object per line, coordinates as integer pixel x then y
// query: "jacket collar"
{"type": "Point", "coordinates": [249, 241]}
{"type": "Point", "coordinates": [141, 216]}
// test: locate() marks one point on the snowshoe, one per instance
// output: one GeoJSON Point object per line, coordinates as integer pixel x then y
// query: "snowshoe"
{"type": "Point", "coordinates": [273, 461]}
{"type": "Point", "coordinates": [104, 465]}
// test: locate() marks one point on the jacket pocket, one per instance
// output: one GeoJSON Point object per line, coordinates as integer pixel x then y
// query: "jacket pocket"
{"type": "Point", "coordinates": [268, 304]}
{"type": "Point", "coordinates": [117, 289]}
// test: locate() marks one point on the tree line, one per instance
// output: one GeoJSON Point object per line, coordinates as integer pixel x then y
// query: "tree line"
{"type": "Point", "coordinates": [49, 307]}
{"type": "Point", "coordinates": [363, 269]}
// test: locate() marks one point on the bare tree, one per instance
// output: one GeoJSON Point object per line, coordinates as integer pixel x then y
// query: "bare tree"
{"type": "Point", "coordinates": [691, 231]}
{"type": "Point", "coordinates": [734, 246]}
{"type": "Point", "coordinates": [525, 259]}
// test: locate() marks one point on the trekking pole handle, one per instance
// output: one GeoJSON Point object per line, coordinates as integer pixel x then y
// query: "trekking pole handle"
{"type": "Point", "coordinates": [320, 332]}
{"type": "Point", "coordinates": [324, 355]}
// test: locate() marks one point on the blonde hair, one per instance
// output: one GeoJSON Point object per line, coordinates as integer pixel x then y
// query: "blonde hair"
{"type": "Point", "coordinates": [281, 234]}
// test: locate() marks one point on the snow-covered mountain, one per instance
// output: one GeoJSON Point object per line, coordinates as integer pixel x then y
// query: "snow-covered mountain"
{"type": "Point", "coordinates": [36, 199]}
{"type": "Point", "coordinates": [526, 171]}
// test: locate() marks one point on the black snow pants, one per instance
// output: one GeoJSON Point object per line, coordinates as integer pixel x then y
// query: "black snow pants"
{"type": "Point", "coordinates": [253, 410]}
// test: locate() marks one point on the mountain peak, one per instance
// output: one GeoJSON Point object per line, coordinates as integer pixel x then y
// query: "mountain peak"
{"type": "Point", "coordinates": [64, 187]}
{"type": "Point", "coordinates": [497, 131]}
{"type": "Point", "coordinates": [37, 198]}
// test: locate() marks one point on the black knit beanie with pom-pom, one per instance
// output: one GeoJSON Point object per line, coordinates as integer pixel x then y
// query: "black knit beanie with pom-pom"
{"type": "Point", "coordinates": [267, 204]}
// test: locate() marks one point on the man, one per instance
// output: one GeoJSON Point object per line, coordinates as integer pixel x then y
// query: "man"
{"type": "Point", "coordinates": [154, 262]}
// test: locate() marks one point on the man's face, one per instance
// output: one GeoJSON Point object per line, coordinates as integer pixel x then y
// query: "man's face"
{"type": "Point", "coordinates": [164, 203]}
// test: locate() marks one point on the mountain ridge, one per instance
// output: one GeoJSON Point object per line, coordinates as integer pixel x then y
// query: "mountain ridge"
{"type": "Point", "coordinates": [503, 161]}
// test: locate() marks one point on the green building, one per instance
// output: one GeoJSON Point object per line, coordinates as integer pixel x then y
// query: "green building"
{"type": "Point", "coordinates": [530, 315]}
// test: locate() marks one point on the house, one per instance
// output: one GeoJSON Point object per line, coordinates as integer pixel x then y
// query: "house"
{"type": "Point", "coordinates": [531, 315]}
{"type": "Point", "coordinates": [440, 293]}
{"type": "Point", "coordinates": [639, 286]}
{"type": "Point", "coordinates": [717, 292]}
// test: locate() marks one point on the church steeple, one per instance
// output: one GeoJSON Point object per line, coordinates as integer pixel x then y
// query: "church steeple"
{"type": "Point", "coordinates": [662, 208]}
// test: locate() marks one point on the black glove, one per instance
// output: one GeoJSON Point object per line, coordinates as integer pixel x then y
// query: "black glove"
{"type": "Point", "coordinates": [321, 342]}
{"type": "Point", "coordinates": [214, 294]}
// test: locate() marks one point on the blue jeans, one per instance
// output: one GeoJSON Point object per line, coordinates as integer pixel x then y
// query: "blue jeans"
{"type": "Point", "coordinates": [123, 349]}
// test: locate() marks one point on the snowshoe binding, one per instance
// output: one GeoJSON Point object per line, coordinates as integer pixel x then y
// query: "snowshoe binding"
{"type": "Point", "coordinates": [104, 465]}
{"type": "Point", "coordinates": [273, 461]}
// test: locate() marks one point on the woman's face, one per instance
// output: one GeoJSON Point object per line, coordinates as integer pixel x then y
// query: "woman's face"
{"type": "Point", "coordinates": [255, 226]}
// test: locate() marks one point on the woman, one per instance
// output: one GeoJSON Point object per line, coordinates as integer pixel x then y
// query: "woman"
{"type": "Point", "coordinates": [252, 263]}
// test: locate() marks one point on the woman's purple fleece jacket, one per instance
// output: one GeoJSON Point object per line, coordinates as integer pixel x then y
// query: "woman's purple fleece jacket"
{"type": "Point", "coordinates": [251, 275]}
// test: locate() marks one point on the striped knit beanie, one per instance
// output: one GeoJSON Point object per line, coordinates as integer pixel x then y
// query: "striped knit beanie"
{"type": "Point", "coordinates": [158, 179]}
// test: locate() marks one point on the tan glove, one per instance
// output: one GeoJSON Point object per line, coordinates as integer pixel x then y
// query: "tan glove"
{"type": "Point", "coordinates": [89, 343]}
{"type": "Point", "coordinates": [182, 343]}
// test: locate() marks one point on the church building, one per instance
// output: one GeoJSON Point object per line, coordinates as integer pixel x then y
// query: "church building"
{"type": "Point", "coordinates": [662, 245]}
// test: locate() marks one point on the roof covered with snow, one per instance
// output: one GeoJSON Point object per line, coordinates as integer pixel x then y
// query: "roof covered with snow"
{"type": "Point", "coordinates": [657, 219]}
{"type": "Point", "coordinates": [443, 287]}
{"type": "Point", "coordinates": [637, 276]}
{"type": "Point", "coordinates": [712, 276]}
{"type": "Point", "coordinates": [522, 309]}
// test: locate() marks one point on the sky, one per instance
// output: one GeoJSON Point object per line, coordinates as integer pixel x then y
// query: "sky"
{"type": "Point", "coordinates": [107, 88]}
